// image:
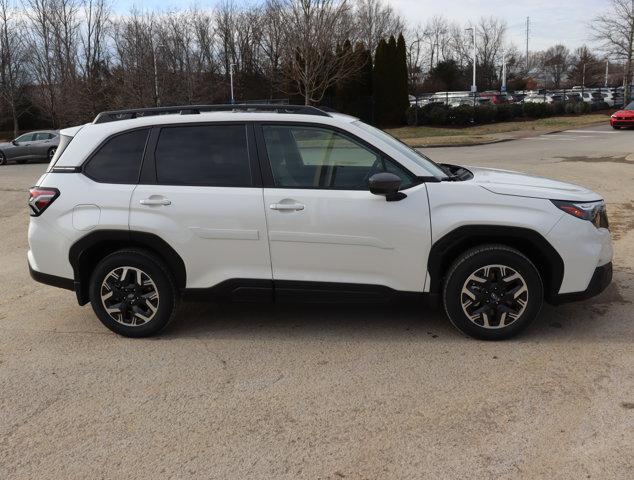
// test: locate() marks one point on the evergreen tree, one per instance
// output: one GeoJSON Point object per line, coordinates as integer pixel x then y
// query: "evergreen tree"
{"type": "Point", "coordinates": [380, 82]}
{"type": "Point", "coordinates": [401, 92]}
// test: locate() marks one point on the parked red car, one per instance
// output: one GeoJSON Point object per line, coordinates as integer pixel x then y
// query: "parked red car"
{"type": "Point", "coordinates": [496, 98]}
{"type": "Point", "coordinates": [623, 118]}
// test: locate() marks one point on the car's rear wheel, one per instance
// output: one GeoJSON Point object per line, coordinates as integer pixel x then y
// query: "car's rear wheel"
{"type": "Point", "coordinates": [133, 293]}
{"type": "Point", "coordinates": [3, 159]}
{"type": "Point", "coordinates": [492, 292]}
{"type": "Point", "coordinates": [51, 153]}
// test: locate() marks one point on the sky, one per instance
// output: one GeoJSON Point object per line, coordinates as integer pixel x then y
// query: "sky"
{"type": "Point", "coordinates": [552, 21]}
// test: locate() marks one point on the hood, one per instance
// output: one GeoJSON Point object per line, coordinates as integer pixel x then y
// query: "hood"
{"type": "Point", "coordinates": [5, 144]}
{"type": "Point", "coordinates": [624, 113]}
{"type": "Point", "coordinates": [506, 182]}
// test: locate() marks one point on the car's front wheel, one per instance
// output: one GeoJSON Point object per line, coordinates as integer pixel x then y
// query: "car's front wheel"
{"type": "Point", "coordinates": [3, 159]}
{"type": "Point", "coordinates": [616, 127]}
{"type": "Point", "coordinates": [492, 292]}
{"type": "Point", "coordinates": [133, 293]}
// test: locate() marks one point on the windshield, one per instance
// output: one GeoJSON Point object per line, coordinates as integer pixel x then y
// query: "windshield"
{"type": "Point", "coordinates": [417, 157]}
{"type": "Point", "coordinates": [630, 106]}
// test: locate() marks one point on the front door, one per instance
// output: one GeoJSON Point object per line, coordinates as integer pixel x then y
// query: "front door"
{"type": "Point", "coordinates": [325, 226]}
{"type": "Point", "coordinates": [204, 200]}
{"type": "Point", "coordinates": [21, 149]}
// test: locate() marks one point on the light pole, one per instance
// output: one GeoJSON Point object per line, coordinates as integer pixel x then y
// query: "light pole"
{"type": "Point", "coordinates": [157, 100]}
{"type": "Point", "coordinates": [231, 65]}
{"type": "Point", "coordinates": [474, 88]}
{"type": "Point", "coordinates": [504, 70]}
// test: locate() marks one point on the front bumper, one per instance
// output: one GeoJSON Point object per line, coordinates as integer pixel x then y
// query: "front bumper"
{"type": "Point", "coordinates": [601, 278]}
{"type": "Point", "coordinates": [622, 122]}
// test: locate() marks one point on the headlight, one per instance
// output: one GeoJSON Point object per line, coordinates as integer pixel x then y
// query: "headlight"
{"type": "Point", "coordinates": [594, 212]}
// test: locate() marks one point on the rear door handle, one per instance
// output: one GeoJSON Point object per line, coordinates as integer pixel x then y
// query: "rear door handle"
{"type": "Point", "coordinates": [155, 201]}
{"type": "Point", "coordinates": [286, 206]}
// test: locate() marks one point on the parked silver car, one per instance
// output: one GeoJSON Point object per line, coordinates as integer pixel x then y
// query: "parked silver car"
{"type": "Point", "coordinates": [40, 145]}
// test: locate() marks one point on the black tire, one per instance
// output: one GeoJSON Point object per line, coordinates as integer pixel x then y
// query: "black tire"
{"type": "Point", "coordinates": [3, 159]}
{"type": "Point", "coordinates": [498, 309]}
{"type": "Point", "coordinates": [616, 127]}
{"type": "Point", "coordinates": [21, 162]}
{"type": "Point", "coordinates": [50, 153]}
{"type": "Point", "coordinates": [163, 283]}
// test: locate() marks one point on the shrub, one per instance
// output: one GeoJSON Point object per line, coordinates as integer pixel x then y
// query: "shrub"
{"type": "Point", "coordinates": [438, 115]}
{"type": "Point", "coordinates": [559, 108]}
{"type": "Point", "coordinates": [461, 115]}
{"type": "Point", "coordinates": [537, 110]}
{"type": "Point", "coordinates": [484, 114]}
{"type": "Point", "coordinates": [504, 113]}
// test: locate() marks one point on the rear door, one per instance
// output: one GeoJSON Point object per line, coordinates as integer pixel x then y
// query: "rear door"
{"type": "Point", "coordinates": [201, 192]}
{"type": "Point", "coordinates": [324, 224]}
{"type": "Point", "coordinates": [40, 145]}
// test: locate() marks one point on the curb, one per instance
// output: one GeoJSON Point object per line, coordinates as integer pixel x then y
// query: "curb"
{"type": "Point", "coordinates": [446, 145]}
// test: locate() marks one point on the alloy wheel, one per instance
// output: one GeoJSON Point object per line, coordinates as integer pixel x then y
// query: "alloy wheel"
{"type": "Point", "coordinates": [129, 296]}
{"type": "Point", "coordinates": [494, 296]}
{"type": "Point", "coordinates": [51, 153]}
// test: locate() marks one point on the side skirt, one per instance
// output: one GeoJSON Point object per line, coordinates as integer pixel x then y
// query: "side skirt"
{"type": "Point", "coordinates": [252, 290]}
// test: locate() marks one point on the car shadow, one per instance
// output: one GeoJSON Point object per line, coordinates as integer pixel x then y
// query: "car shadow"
{"type": "Point", "coordinates": [406, 321]}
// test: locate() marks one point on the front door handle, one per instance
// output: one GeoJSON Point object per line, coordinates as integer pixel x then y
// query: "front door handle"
{"type": "Point", "coordinates": [287, 206]}
{"type": "Point", "coordinates": [155, 201]}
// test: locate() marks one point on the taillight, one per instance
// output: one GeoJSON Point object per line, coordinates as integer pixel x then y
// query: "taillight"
{"type": "Point", "coordinates": [594, 212]}
{"type": "Point", "coordinates": [40, 198]}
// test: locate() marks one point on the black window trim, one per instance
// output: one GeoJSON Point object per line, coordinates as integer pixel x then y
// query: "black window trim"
{"type": "Point", "coordinates": [265, 163]}
{"type": "Point", "coordinates": [148, 170]}
{"type": "Point", "coordinates": [84, 165]}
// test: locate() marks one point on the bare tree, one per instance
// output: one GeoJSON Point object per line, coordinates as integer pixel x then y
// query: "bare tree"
{"type": "Point", "coordinates": [313, 29]}
{"type": "Point", "coordinates": [555, 64]}
{"type": "Point", "coordinates": [93, 56]}
{"type": "Point", "coordinates": [272, 42]}
{"type": "Point", "coordinates": [377, 20]}
{"type": "Point", "coordinates": [41, 46]}
{"type": "Point", "coordinates": [615, 31]}
{"type": "Point", "coordinates": [436, 34]}
{"type": "Point", "coordinates": [13, 57]}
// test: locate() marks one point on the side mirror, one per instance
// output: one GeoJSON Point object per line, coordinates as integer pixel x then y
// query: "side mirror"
{"type": "Point", "coordinates": [15, 142]}
{"type": "Point", "coordinates": [386, 184]}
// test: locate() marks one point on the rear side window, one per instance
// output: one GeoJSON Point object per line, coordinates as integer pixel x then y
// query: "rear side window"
{"type": "Point", "coordinates": [203, 155]}
{"type": "Point", "coordinates": [119, 159]}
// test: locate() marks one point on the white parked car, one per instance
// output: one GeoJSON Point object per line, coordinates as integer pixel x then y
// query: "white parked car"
{"type": "Point", "coordinates": [144, 207]}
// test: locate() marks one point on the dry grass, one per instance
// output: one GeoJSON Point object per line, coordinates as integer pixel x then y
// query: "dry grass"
{"type": "Point", "coordinates": [487, 133]}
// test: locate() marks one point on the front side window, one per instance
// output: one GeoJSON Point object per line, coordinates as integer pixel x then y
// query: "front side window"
{"type": "Point", "coordinates": [119, 159]}
{"type": "Point", "coordinates": [311, 157]}
{"type": "Point", "coordinates": [27, 137]}
{"type": "Point", "coordinates": [203, 155]}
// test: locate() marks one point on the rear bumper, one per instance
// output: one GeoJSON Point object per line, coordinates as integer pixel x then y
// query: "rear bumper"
{"type": "Point", "coordinates": [601, 278]}
{"type": "Point", "coordinates": [52, 280]}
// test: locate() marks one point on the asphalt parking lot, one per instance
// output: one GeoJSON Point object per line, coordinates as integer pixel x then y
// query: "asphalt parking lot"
{"type": "Point", "coordinates": [265, 391]}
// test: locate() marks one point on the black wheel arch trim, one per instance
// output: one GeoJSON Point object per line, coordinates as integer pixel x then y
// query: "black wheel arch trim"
{"type": "Point", "coordinates": [531, 243]}
{"type": "Point", "coordinates": [88, 250]}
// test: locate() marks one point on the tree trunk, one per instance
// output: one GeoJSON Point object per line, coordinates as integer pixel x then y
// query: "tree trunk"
{"type": "Point", "coordinates": [16, 126]}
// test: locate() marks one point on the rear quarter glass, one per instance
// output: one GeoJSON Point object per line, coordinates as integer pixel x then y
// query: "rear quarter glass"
{"type": "Point", "coordinates": [64, 141]}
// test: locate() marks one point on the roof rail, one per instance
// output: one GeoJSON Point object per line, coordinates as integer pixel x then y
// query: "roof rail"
{"type": "Point", "coordinates": [115, 115]}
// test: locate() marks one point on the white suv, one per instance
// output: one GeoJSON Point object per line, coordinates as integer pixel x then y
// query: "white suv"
{"type": "Point", "coordinates": [143, 207]}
